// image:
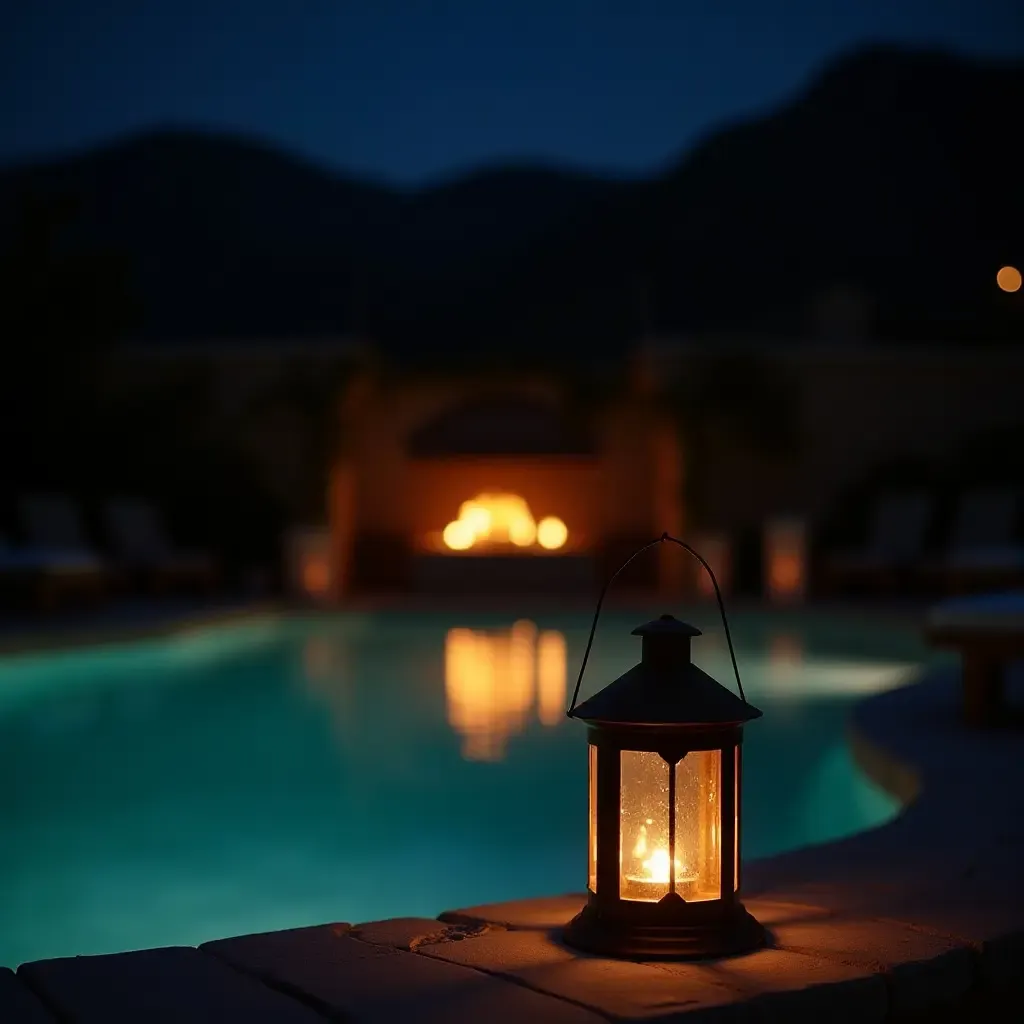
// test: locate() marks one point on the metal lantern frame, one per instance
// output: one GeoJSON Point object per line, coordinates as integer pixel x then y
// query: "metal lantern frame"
{"type": "Point", "coordinates": [669, 708]}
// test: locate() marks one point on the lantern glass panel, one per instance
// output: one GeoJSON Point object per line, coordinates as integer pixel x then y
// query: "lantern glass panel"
{"type": "Point", "coordinates": [698, 814]}
{"type": "Point", "coordinates": [737, 775]}
{"type": "Point", "coordinates": [592, 844]}
{"type": "Point", "coordinates": [644, 826]}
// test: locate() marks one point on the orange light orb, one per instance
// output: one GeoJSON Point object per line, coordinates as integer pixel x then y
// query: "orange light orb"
{"type": "Point", "coordinates": [1009, 279]}
{"type": "Point", "coordinates": [551, 533]}
{"type": "Point", "coordinates": [522, 531]}
{"type": "Point", "coordinates": [458, 535]}
{"type": "Point", "coordinates": [316, 577]}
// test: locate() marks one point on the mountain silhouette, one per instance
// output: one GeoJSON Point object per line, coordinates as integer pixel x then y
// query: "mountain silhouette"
{"type": "Point", "coordinates": [895, 175]}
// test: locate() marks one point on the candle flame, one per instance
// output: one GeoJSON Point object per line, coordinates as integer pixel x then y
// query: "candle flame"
{"type": "Point", "coordinates": [641, 843]}
{"type": "Point", "coordinates": [656, 866]}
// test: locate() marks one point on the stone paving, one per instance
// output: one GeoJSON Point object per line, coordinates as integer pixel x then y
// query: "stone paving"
{"type": "Point", "coordinates": [919, 920]}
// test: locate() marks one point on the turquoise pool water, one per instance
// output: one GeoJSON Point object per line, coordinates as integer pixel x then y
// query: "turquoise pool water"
{"type": "Point", "coordinates": [295, 771]}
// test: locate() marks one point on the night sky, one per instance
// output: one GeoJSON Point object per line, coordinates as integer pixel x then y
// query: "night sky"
{"type": "Point", "coordinates": [412, 91]}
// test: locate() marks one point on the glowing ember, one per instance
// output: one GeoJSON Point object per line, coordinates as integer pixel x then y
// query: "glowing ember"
{"type": "Point", "coordinates": [502, 520]}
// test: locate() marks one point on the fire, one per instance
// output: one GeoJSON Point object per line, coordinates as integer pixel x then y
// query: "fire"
{"type": "Point", "coordinates": [502, 520]}
{"type": "Point", "coordinates": [656, 865]}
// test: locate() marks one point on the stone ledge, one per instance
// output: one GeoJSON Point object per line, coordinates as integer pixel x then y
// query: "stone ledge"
{"type": "Point", "coordinates": [819, 963]}
{"type": "Point", "coordinates": [341, 975]}
{"type": "Point", "coordinates": [410, 933]}
{"type": "Point", "coordinates": [173, 984]}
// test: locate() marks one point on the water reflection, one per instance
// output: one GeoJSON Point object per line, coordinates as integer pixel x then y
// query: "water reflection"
{"type": "Point", "coordinates": [790, 671]}
{"type": "Point", "coordinates": [320, 659]}
{"type": "Point", "coordinates": [785, 651]}
{"type": "Point", "coordinates": [551, 677]}
{"type": "Point", "coordinates": [493, 679]}
{"type": "Point", "coordinates": [786, 669]}
{"type": "Point", "coordinates": [324, 671]}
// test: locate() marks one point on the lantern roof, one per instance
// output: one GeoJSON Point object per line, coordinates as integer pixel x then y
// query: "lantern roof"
{"type": "Point", "coordinates": [665, 691]}
{"type": "Point", "coordinates": [666, 625]}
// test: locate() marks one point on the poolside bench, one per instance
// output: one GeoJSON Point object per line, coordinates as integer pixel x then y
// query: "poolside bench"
{"type": "Point", "coordinates": [988, 632]}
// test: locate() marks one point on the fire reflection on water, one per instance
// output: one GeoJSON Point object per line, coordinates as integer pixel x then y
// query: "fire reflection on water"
{"type": "Point", "coordinates": [495, 679]}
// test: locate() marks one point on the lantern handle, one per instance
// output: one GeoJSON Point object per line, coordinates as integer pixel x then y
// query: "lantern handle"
{"type": "Point", "coordinates": [611, 579]}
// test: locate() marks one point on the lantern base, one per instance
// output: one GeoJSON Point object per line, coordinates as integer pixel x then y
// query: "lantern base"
{"type": "Point", "coordinates": [592, 932]}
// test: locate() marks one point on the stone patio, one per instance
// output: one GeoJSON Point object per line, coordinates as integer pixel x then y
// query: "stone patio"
{"type": "Point", "coordinates": [919, 920]}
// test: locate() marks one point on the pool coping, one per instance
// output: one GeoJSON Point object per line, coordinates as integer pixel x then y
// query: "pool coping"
{"type": "Point", "coordinates": [920, 919]}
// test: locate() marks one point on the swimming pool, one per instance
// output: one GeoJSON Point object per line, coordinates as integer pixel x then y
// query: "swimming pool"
{"type": "Point", "coordinates": [292, 771]}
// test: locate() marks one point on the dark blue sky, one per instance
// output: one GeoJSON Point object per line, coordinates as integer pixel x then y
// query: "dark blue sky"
{"type": "Point", "coordinates": [409, 91]}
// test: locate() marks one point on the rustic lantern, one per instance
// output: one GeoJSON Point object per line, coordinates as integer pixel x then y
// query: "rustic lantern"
{"type": "Point", "coordinates": [664, 742]}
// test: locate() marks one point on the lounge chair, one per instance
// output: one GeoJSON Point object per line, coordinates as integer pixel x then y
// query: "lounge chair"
{"type": "Point", "coordinates": [895, 544]}
{"type": "Point", "coordinates": [54, 524]}
{"type": "Point", "coordinates": [987, 630]}
{"type": "Point", "coordinates": [141, 546]}
{"type": "Point", "coordinates": [983, 550]}
{"type": "Point", "coordinates": [49, 575]}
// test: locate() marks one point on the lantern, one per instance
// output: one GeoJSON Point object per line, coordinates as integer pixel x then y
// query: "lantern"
{"type": "Point", "coordinates": [664, 746]}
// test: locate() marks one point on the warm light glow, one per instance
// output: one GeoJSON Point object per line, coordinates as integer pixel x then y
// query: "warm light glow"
{"type": "Point", "coordinates": [645, 856]}
{"type": "Point", "coordinates": [459, 535]}
{"type": "Point", "coordinates": [551, 533]}
{"type": "Point", "coordinates": [522, 532]}
{"type": "Point", "coordinates": [502, 520]}
{"type": "Point", "coordinates": [786, 572]}
{"type": "Point", "coordinates": [656, 868]}
{"type": "Point", "coordinates": [476, 516]}
{"type": "Point", "coordinates": [551, 677]}
{"type": "Point", "coordinates": [785, 557]}
{"type": "Point", "coordinates": [716, 551]}
{"type": "Point", "coordinates": [491, 682]}
{"type": "Point", "coordinates": [592, 837]}
{"type": "Point", "coordinates": [1009, 279]}
{"type": "Point", "coordinates": [316, 576]}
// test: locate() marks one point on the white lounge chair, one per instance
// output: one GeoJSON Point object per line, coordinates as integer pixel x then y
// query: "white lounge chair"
{"type": "Point", "coordinates": [895, 543]}
{"type": "Point", "coordinates": [983, 548]}
{"type": "Point", "coordinates": [141, 545]}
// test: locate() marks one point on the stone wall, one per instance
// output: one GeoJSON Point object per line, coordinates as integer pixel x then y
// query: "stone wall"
{"type": "Point", "coordinates": [859, 407]}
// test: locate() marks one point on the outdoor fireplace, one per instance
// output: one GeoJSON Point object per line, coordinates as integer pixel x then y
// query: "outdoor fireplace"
{"type": "Point", "coordinates": [488, 485]}
{"type": "Point", "coordinates": [495, 542]}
